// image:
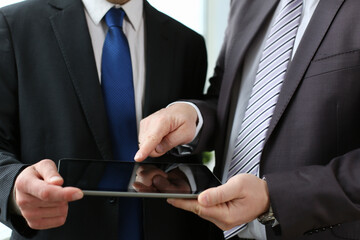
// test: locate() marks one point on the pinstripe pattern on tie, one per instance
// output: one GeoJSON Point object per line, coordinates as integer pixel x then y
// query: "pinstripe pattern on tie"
{"type": "Point", "coordinates": [266, 89]}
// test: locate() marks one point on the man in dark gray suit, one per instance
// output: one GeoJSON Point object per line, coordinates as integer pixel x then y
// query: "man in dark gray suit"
{"type": "Point", "coordinates": [310, 157]}
{"type": "Point", "coordinates": [51, 107]}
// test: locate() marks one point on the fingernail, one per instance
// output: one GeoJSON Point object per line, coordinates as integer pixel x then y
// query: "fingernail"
{"type": "Point", "coordinates": [77, 196]}
{"type": "Point", "coordinates": [207, 202]}
{"type": "Point", "coordinates": [159, 148]}
{"type": "Point", "coordinates": [138, 156]}
{"type": "Point", "coordinates": [55, 179]}
{"type": "Point", "coordinates": [204, 200]}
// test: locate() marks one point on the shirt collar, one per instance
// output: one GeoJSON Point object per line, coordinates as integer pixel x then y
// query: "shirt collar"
{"type": "Point", "coordinates": [98, 8]}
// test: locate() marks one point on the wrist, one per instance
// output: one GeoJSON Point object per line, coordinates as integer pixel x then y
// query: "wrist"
{"type": "Point", "coordinates": [267, 218]}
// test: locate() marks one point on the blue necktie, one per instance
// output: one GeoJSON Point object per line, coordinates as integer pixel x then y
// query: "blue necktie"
{"type": "Point", "coordinates": [118, 92]}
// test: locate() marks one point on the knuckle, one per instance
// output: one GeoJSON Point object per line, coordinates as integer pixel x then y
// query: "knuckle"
{"type": "Point", "coordinates": [22, 202]}
{"type": "Point", "coordinates": [44, 194]}
{"type": "Point", "coordinates": [40, 224]}
{"type": "Point", "coordinates": [238, 181]}
{"type": "Point", "coordinates": [165, 119]}
{"type": "Point", "coordinates": [168, 142]}
{"type": "Point", "coordinates": [161, 120]}
{"type": "Point", "coordinates": [143, 121]}
{"type": "Point", "coordinates": [61, 221]}
{"type": "Point", "coordinates": [143, 124]}
{"type": "Point", "coordinates": [188, 135]}
{"type": "Point", "coordinates": [34, 224]}
{"type": "Point", "coordinates": [152, 138]}
{"type": "Point", "coordinates": [27, 215]}
{"type": "Point", "coordinates": [220, 195]}
{"type": "Point", "coordinates": [20, 181]}
{"type": "Point", "coordinates": [44, 162]}
{"type": "Point", "coordinates": [227, 223]}
{"type": "Point", "coordinates": [63, 210]}
{"type": "Point", "coordinates": [197, 210]}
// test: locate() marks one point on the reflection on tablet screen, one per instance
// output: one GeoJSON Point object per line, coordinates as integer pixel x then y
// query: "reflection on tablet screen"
{"type": "Point", "coordinates": [119, 178]}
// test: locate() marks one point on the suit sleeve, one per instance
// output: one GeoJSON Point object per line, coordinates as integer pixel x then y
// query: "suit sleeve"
{"type": "Point", "coordinates": [208, 106]}
{"type": "Point", "coordinates": [321, 196]}
{"type": "Point", "coordinates": [199, 67]}
{"type": "Point", "coordinates": [10, 166]}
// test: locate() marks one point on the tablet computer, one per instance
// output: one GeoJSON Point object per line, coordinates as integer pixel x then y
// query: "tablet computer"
{"type": "Point", "coordinates": [133, 179]}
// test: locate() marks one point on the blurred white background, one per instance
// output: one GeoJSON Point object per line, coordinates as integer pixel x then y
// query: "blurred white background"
{"type": "Point", "coordinates": [207, 17]}
{"type": "Point", "coordinates": [6, 2]}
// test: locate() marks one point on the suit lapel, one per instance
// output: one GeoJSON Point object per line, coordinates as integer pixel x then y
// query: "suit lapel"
{"type": "Point", "coordinates": [157, 60]}
{"type": "Point", "coordinates": [70, 28]}
{"type": "Point", "coordinates": [313, 36]}
{"type": "Point", "coordinates": [250, 16]}
{"type": "Point", "coordinates": [246, 19]}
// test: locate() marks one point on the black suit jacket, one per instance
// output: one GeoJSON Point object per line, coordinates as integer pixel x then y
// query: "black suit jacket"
{"type": "Point", "coordinates": [51, 106]}
{"type": "Point", "coordinates": [311, 157]}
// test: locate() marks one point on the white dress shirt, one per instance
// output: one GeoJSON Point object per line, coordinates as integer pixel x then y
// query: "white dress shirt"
{"type": "Point", "coordinates": [133, 27]}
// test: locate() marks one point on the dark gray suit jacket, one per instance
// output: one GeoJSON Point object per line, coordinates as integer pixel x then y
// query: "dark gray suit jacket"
{"type": "Point", "coordinates": [51, 106]}
{"type": "Point", "coordinates": [311, 158]}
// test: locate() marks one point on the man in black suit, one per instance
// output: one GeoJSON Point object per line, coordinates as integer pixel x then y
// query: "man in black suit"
{"type": "Point", "coordinates": [51, 107]}
{"type": "Point", "coordinates": [310, 156]}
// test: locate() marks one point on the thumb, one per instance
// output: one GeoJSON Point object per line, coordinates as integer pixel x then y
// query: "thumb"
{"type": "Point", "coordinates": [48, 171]}
{"type": "Point", "coordinates": [218, 195]}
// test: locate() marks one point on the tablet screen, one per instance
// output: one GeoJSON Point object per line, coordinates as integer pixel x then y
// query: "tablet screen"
{"type": "Point", "coordinates": [132, 179]}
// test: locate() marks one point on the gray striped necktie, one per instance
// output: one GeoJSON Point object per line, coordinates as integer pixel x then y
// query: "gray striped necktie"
{"type": "Point", "coordinates": [268, 81]}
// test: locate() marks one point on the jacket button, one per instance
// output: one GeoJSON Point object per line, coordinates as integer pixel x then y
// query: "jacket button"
{"type": "Point", "coordinates": [112, 200]}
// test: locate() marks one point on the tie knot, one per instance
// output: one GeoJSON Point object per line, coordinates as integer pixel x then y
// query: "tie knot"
{"type": "Point", "coordinates": [114, 17]}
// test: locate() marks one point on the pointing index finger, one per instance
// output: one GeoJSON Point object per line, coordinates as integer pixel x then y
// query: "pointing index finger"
{"type": "Point", "coordinates": [152, 131]}
{"type": "Point", "coordinates": [146, 147]}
